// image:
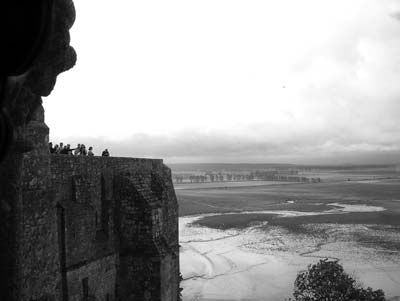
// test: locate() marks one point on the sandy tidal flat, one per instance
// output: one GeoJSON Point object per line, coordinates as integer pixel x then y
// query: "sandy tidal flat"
{"type": "Point", "coordinates": [261, 263]}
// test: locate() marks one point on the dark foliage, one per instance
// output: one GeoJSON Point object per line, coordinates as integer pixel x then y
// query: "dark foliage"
{"type": "Point", "coordinates": [327, 281]}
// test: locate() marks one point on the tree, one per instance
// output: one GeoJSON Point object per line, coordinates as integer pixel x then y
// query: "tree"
{"type": "Point", "coordinates": [328, 281]}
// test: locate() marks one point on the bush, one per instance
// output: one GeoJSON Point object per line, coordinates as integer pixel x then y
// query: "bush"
{"type": "Point", "coordinates": [327, 281]}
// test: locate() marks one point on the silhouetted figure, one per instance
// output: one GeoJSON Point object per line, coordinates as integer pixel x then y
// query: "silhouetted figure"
{"type": "Point", "coordinates": [64, 150]}
{"type": "Point", "coordinates": [60, 148]}
{"type": "Point", "coordinates": [83, 151]}
{"type": "Point", "coordinates": [90, 152]}
{"type": "Point", "coordinates": [77, 150]}
{"type": "Point", "coordinates": [51, 148]}
{"type": "Point", "coordinates": [69, 150]}
{"type": "Point", "coordinates": [105, 153]}
{"type": "Point", "coordinates": [56, 149]}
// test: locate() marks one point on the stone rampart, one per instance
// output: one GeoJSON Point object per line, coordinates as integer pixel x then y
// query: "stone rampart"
{"type": "Point", "coordinates": [97, 228]}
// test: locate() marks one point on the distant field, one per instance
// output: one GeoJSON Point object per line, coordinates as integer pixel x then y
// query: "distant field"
{"type": "Point", "coordinates": [292, 196]}
{"type": "Point", "coordinates": [351, 175]}
{"type": "Point", "coordinates": [225, 185]}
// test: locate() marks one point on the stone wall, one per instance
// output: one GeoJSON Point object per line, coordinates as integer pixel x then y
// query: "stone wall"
{"type": "Point", "coordinates": [124, 207]}
{"type": "Point", "coordinates": [38, 264]}
{"type": "Point", "coordinates": [98, 276]}
{"type": "Point", "coordinates": [98, 228]}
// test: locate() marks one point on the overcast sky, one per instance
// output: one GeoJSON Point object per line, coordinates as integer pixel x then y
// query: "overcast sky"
{"type": "Point", "coordinates": [234, 81]}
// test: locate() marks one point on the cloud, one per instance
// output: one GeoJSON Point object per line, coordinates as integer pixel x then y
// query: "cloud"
{"type": "Point", "coordinates": [396, 15]}
{"type": "Point", "coordinates": [317, 146]}
{"type": "Point", "coordinates": [169, 84]}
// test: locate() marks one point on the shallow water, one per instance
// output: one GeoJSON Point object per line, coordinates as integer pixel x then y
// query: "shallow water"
{"type": "Point", "coordinates": [259, 264]}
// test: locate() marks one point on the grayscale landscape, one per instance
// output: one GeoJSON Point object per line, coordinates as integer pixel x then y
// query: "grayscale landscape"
{"type": "Point", "coordinates": [248, 239]}
{"type": "Point", "coordinates": [274, 125]}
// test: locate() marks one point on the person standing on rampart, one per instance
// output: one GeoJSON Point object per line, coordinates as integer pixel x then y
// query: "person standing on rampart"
{"type": "Point", "coordinates": [77, 150]}
{"type": "Point", "coordinates": [83, 150]}
{"type": "Point", "coordinates": [51, 148]}
{"type": "Point", "coordinates": [59, 150]}
{"type": "Point", "coordinates": [105, 153]}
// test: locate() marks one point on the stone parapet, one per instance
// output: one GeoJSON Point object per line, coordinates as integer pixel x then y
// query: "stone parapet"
{"type": "Point", "coordinates": [105, 227]}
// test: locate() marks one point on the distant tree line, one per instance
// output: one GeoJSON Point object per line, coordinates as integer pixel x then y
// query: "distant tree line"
{"type": "Point", "coordinates": [275, 175]}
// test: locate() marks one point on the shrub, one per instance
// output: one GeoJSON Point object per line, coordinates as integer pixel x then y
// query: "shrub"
{"type": "Point", "coordinates": [327, 281]}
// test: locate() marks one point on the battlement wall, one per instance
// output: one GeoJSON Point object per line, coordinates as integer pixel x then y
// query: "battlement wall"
{"type": "Point", "coordinates": [108, 228]}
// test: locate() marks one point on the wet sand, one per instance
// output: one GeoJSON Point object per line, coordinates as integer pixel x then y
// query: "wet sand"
{"type": "Point", "coordinates": [260, 262]}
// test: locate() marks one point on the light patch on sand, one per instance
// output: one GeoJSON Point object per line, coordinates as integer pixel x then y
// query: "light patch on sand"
{"type": "Point", "coordinates": [357, 208]}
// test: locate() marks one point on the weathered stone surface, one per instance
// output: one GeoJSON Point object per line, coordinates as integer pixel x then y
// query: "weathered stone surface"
{"type": "Point", "coordinates": [22, 99]}
{"type": "Point", "coordinates": [110, 223]}
{"type": "Point", "coordinates": [117, 219]}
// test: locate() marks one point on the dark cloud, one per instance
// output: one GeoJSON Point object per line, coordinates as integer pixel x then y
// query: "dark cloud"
{"type": "Point", "coordinates": [310, 147]}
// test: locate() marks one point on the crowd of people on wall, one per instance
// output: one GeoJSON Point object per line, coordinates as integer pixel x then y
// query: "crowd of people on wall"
{"type": "Point", "coordinates": [80, 150]}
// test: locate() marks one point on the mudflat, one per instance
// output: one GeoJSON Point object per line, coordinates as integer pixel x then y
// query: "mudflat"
{"type": "Point", "coordinates": [254, 239]}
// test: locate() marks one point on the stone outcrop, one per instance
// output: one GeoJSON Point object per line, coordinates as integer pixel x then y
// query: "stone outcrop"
{"type": "Point", "coordinates": [22, 100]}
